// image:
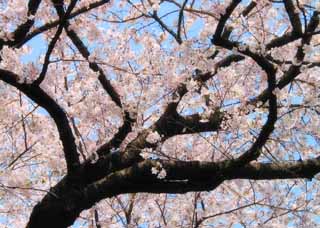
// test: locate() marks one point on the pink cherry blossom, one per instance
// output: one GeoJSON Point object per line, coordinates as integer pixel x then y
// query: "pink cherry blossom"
{"type": "Point", "coordinates": [159, 113]}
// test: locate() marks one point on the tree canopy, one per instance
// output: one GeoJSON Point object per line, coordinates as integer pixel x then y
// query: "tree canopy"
{"type": "Point", "coordinates": [149, 113]}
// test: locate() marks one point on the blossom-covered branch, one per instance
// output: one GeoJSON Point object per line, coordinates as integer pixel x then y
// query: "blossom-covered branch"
{"type": "Point", "coordinates": [216, 100]}
{"type": "Point", "coordinates": [55, 111]}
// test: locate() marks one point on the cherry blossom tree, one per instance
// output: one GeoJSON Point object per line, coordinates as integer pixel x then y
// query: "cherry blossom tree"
{"type": "Point", "coordinates": [149, 113]}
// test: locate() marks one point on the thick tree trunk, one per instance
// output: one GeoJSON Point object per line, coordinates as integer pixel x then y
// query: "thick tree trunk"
{"type": "Point", "coordinates": [52, 214]}
{"type": "Point", "coordinates": [59, 208]}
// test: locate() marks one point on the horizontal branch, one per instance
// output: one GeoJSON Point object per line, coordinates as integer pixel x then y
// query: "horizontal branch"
{"type": "Point", "coordinates": [184, 177]}
{"type": "Point", "coordinates": [280, 170]}
{"type": "Point", "coordinates": [293, 36]}
{"type": "Point", "coordinates": [171, 123]}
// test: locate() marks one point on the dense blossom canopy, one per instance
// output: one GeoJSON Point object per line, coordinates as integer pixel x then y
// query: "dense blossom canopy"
{"type": "Point", "coordinates": [149, 113]}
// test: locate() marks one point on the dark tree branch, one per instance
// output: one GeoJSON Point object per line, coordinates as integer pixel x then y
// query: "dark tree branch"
{"type": "Point", "coordinates": [255, 150]}
{"type": "Point", "coordinates": [95, 67]}
{"type": "Point", "coordinates": [283, 40]}
{"type": "Point", "coordinates": [249, 8]}
{"type": "Point", "coordinates": [127, 120]}
{"type": "Point", "coordinates": [293, 16]}
{"type": "Point", "coordinates": [96, 218]}
{"type": "Point", "coordinates": [55, 23]}
{"type": "Point", "coordinates": [171, 123]}
{"type": "Point", "coordinates": [201, 220]}
{"type": "Point", "coordinates": [126, 172]}
{"type": "Point", "coordinates": [223, 19]}
{"type": "Point", "coordinates": [294, 69]}
{"type": "Point", "coordinates": [218, 39]}
{"type": "Point", "coordinates": [292, 36]}
{"type": "Point", "coordinates": [201, 173]}
{"type": "Point", "coordinates": [165, 27]}
{"type": "Point", "coordinates": [63, 19]}
{"type": "Point", "coordinates": [180, 20]}
{"type": "Point", "coordinates": [59, 116]}
{"type": "Point", "coordinates": [21, 31]}
{"type": "Point", "coordinates": [27, 149]}
{"type": "Point", "coordinates": [118, 137]}
{"type": "Point", "coordinates": [182, 177]}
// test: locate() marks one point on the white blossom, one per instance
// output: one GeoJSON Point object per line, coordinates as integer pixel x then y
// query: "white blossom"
{"type": "Point", "coordinates": [31, 17]}
{"type": "Point", "coordinates": [153, 137]}
{"type": "Point", "coordinates": [296, 62]}
{"type": "Point", "coordinates": [318, 6]}
{"type": "Point", "coordinates": [242, 47]}
{"type": "Point", "coordinates": [276, 91]}
{"type": "Point", "coordinates": [162, 174]}
{"type": "Point", "coordinates": [154, 170]}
